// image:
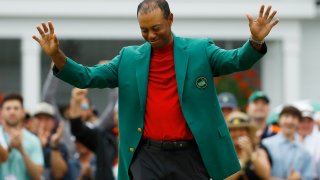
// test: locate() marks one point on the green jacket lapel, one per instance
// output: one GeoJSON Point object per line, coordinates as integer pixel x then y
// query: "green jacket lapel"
{"type": "Point", "coordinates": [181, 59]}
{"type": "Point", "coordinates": [142, 73]}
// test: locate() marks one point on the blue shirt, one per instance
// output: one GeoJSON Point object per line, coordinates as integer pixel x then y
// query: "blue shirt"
{"type": "Point", "coordinates": [287, 156]}
{"type": "Point", "coordinates": [15, 165]}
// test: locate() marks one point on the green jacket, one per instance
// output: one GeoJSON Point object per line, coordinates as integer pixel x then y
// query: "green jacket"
{"type": "Point", "coordinates": [197, 61]}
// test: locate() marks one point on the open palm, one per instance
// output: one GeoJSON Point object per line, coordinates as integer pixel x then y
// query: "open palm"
{"type": "Point", "coordinates": [262, 26]}
{"type": "Point", "coordinates": [48, 40]}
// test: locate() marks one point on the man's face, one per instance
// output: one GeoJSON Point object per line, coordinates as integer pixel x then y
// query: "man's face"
{"type": "Point", "coordinates": [155, 28]}
{"type": "Point", "coordinates": [236, 134]}
{"type": "Point", "coordinates": [258, 109]}
{"type": "Point", "coordinates": [12, 112]}
{"type": "Point", "coordinates": [305, 126]}
{"type": "Point", "coordinates": [226, 112]}
{"type": "Point", "coordinates": [288, 124]}
{"type": "Point", "coordinates": [45, 121]}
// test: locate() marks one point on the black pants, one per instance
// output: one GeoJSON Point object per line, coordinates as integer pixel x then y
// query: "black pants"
{"type": "Point", "coordinates": [154, 163]}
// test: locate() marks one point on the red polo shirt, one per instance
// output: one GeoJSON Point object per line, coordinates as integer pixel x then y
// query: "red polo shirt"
{"type": "Point", "coordinates": [163, 117]}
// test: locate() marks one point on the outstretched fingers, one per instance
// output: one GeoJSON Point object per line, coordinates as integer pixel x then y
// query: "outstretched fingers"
{"type": "Point", "coordinates": [41, 32]}
{"type": "Point", "coordinates": [44, 31]}
{"type": "Point", "coordinates": [250, 18]}
{"type": "Point", "coordinates": [45, 28]}
{"type": "Point", "coordinates": [36, 38]}
{"type": "Point", "coordinates": [261, 11]}
{"type": "Point", "coordinates": [51, 27]}
{"type": "Point", "coordinates": [275, 22]}
{"type": "Point", "coordinates": [272, 16]}
{"type": "Point", "coordinates": [266, 14]}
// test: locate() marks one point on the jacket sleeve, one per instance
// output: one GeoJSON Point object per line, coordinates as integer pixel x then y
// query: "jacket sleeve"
{"type": "Point", "coordinates": [84, 134]}
{"type": "Point", "coordinates": [99, 76]}
{"type": "Point", "coordinates": [225, 62]}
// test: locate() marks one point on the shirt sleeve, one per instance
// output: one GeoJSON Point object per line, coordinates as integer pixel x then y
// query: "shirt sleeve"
{"type": "Point", "coordinates": [2, 140]}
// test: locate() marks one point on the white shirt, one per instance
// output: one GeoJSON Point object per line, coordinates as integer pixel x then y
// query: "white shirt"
{"type": "Point", "coordinates": [2, 141]}
{"type": "Point", "coordinates": [312, 144]}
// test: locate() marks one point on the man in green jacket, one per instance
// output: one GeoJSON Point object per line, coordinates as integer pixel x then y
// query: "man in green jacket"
{"type": "Point", "coordinates": [170, 121]}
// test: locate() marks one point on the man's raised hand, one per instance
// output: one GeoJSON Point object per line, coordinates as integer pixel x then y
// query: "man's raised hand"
{"type": "Point", "coordinates": [262, 26]}
{"type": "Point", "coordinates": [47, 40]}
{"type": "Point", "coordinates": [50, 44]}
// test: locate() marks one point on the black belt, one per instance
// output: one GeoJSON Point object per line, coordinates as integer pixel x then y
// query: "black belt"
{"type": "Point", "coordinates": [170, 145]}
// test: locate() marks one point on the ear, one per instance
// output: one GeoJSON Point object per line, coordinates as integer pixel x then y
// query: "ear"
{"type": "Point", "coordinates": [23, 114]}
{"type": "Point", "coordinates": [170, 19]}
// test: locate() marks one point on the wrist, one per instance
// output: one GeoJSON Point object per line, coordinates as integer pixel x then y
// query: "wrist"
{"type": "Point", "coordinates": [54, 146]}
{"type": "Point", "coordinates": [253, 156]}
{"type": "Point", "coordinates": [59, 59]}
{"type": "Point", "coordinates": [21, 150]}
{"type": "Point", "coordinates": [256, 41]}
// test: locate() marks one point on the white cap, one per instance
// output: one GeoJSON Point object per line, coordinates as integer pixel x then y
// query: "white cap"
{"type": "Point", "coordinates": [305, 108]}
{"type": "Point", "coordinates": [43, 108]}
{"type": "Point", "coordinates": [317, 116]}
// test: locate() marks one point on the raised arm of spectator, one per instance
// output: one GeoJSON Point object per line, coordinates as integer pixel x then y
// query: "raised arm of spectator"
{"type": "Point", "coordinates": [58, 165]}
{"type": "Point", "coordinates": [49, 93]}
{"type": "Point", "coordinates": [106, 119]}
{"type": "Point", "coordinates": [84, 134]}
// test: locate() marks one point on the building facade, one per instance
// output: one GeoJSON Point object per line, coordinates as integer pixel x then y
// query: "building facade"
{"type": "Point", "coordinates": [98, 29]}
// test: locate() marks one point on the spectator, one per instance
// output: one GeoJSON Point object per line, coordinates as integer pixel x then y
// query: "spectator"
{"type": "Point", "coordinates": [290, 160]}
{"type": "Point", "coordinates": [49, 96]}
{"type": "Point", "coordinates": [50, 133]}
{"type": "Point", "coordinates": [310, 138]}
{"type": "Point", "coordinates": [317, 119]}
{"type": "Point", "coordinates": [99, 140]}
{"type": "Point", "coordinates": [253, 159]}
{"type": "Point", "coordinates": [258, 110]}
{"type": "Point", "coordinates": [25, 159]}
{"type": "Point", "coordinates": [272, 123]}
{"type": "Point", "coordinates": [228, 103]}
{"type": "Point", "coordinates": [29, 124]}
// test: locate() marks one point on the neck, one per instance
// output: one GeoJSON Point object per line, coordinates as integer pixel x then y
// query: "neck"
{"type": "Point", "coordinates": [289, 137]}
{"type": "Point", "coordinates": [7, 128]}
{"type": "Point", "coordinates": [260, 123]}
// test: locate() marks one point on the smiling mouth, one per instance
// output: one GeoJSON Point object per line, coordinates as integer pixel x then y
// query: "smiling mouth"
{"type": "Point", "coordinates": [153, 41]}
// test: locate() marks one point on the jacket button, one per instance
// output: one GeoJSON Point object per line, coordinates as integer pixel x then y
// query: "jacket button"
{"type": "Point", "coordinates": [131, 149]}
{"type": "Point", "coordinates": [139, 130]}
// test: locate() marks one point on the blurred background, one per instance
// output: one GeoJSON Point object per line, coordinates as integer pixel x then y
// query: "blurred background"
{"type": "Point", "coordinates": [90, 31]}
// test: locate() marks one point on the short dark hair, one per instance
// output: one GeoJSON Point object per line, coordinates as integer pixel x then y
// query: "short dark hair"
{"type": "Point", "coordinates": [291, 110]}
{"type": "Point", "coordinates": [147, 6]}
{"type": "Point", "coordinates": [12, 96]}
